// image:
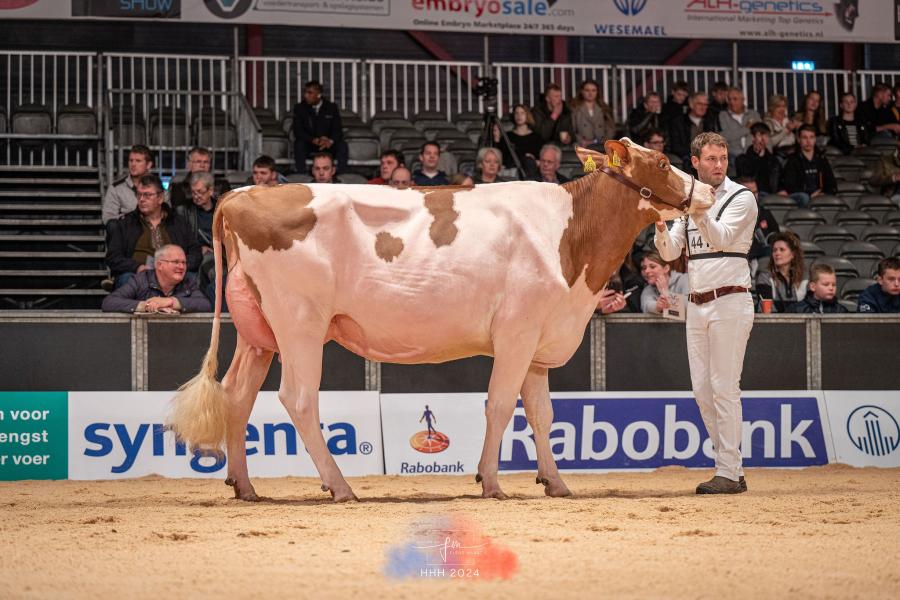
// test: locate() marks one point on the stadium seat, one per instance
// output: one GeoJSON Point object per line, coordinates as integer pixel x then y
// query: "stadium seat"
{"type": "Point", "coordinates": [802, 220]}
{"type": "Point", "coordinates": [828, 206]}
{"type": "Point", "coordinates": [876, 205]}
{"type": "Point", "coordinates": [358, 131]}
{"type": "Point", "coordinates": [778, 205]}
{"type": "Point", "coordinates": [851, 305]}
{"type": "Point", "coordinates": [892, 218]}
{"type": "Point", "coordinates": [31, 119]}
{"type": "Point", "coordinates": [850, 191]}
{"type": "Point", "coordinates": [863, 255]}
{"type": "Point", "coordinates": [896, 251]}
{"type": "Point", "coordinates": [832, 152]}
{"type": "Point", "coordinates": [885, 143]}
{"type": "Point", "coordinates": [847, 168]}
{"type": "Point", "coordinates": [811, 249]}
{"type": "Point", "coordinates": [287, 124]}
{"type": "Point", "coordinates": [830, 238]}
{"type": "Point", "coordinates": [843, 268]}
{"type": "Point", "coordinates": [883, 236]}
{"type": "Point", "coordinates": [462, 146]}
{"type": "Point", "coordinates": [352, 177]}
{"type": "Point", "coordinates": [444, 136]}
{"type": "Point", "coordinates": [855, 221]}
{"type": "Point", "coordinates": [265, 115]}
{"type": "Point", "coordinates": [388, 135]}
{"type": "Point", "coordinates": [76, 119]}
{"type": "Point", "coordinates": [128, 134]}
{"type": "Point", "coordinates": [404, 139]}
{"type": "Point", "coordinates": [350, 118]}
{"type": "Point", "coordinates": [393, 124]}
{"type": "Point", "coordinates": [363, 148]}
{"type": "Point", "coordinates": [274, 141]}
{"type": "Point", "coordinates": [468, 120]}
{"type": "Point", "coordinates": [852, 288]}
{"type": "Point", "coordinates": [429, 118]}
{"type": "Point", "coordinates": [868, 155]}
{"type": "Point", "coordinates": [299, 178]}
{"type": "Point", "coordinates": [3, 127]}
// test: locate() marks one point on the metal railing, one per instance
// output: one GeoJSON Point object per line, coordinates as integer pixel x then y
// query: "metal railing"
{"type": "Point", "coordinates": [634, 81]}
{"type": "Point", "coordinates": [411, 87]}
{"type": "Point", "coordinates": [759, 84]}
{"type": "Point", "coordinates": [867, 79]}
{"type": "Point", "coordinates": [525, 83]}
{"type": "Point", "coordinates": [166, 73]}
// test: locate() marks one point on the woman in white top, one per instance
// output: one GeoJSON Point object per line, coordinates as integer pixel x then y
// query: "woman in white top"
{"type": "Point", "coordinates": [785, 280]}
{"type": "Point", "coordinates": [782, 127]}
{"type": "Point", "coordinates": [662, 281]}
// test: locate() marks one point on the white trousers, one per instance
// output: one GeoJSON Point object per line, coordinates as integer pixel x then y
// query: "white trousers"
{"type": "Point", "coordinates": [717, 334]}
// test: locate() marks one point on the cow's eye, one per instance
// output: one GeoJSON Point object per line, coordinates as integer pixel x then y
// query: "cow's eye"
{"type": "Point", "coordinates": [663, 164]}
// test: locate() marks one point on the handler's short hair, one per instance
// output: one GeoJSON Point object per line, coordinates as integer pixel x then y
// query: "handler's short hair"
{"type": "Point", "coordinates": [705, 139]}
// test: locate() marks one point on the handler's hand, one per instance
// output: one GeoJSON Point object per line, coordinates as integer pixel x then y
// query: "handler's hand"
{"type": "Point", "coordinates": [660, 226]}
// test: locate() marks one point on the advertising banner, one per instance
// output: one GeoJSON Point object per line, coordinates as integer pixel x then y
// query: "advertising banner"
{"type": "Point", "coordinates": [117, 435]}
{"type": "Point", "coordinates": [432, 433]}
{"type": "Point", "coordinates": [864, 427]}
{"type": "Point", "coordinates": [33, 435]}
{"type": "Point", "coordinates": [796, 20]}
{"type": "Point", "coordinates": [611, 431]}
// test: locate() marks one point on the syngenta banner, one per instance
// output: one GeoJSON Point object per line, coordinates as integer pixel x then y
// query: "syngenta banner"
{"type": "Point", "coordinates": [602, 431]}
{"type": "Point", "coordinates": [116, 435]}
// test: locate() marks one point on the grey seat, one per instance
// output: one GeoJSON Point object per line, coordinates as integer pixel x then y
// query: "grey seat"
{"type": "Point", "coordinates": [129, 134]}
{"type": "Point", "coordinates": [850, 191]}
{"type": "Point", "coordinates": [863, 255]}
{"type": "Point", "coordinates": [843, 268]}
{"type": "Point", "coordinates": [299, 178]}
{"type": "Point", "coordinates": [852, 288]}
{"type": "Point", "coordinates": [892, 218]}
{"type": "Point", "coordinates": [848, 168]}
{"type": "Point", "coordinates": [358, 132]}
{"type": "Point", "coordinates": [76, 119]}
{"type": "Point", "coordinates": [265, 116]}
{"type": "Point", "coordinates": [31, 119]}
{"type": "Point", "coordinates": [3, 125]}
{"type": "Point", "coordinates": [274, 141]}
{"type": "Point", "coordinates": [828, 206]}
{"type": "Point", "coordinates": [802, 220]}
{"type": "Point", "coordinates": [883, 236]}
{"type": "Point", "coordinates": [354, 178]}
{"type": "Point", "coordinates": [210, 136]}
{"type": "Point", "coordinates": [830, 238]}
{"type": "Point", "coordinates": [363, 148]}
{"type": "Point", "coordinates": [855, 220]}
{"type": "Point", "coordinates": [778, 205]}
{"type": "Point", "coordinates": [811, 249]}
{"type": "Point", "coordinates": [444, 136]}
{"type": "Point", "coordinates": [876, 205]}
{"type": "Point", "coordinates": [396, 123]}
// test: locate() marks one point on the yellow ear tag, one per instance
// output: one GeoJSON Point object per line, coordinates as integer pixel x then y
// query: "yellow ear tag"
{"type": "Point", "coordinates": [616, 161]}
{"type": "Point", "coordinates": [589, 165]}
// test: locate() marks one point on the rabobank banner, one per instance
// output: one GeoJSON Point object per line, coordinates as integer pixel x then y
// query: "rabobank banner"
{"type": "Point", "coordinates": [865, 427]}
{"type": "Point", "coordinates": [804, 20]}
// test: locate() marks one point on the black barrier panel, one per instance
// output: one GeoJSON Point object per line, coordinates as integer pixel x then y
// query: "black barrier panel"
{"type": "Point", "coordinates": [473, 374]}
{"type": "Point", "coordinates": [65, 356]}
{"type": "Point", "coordinates": [860, 356]}
{"type": "Point", "coordinates": [653, 356]}
{"type": "Point", "coordinates": [175, 352]}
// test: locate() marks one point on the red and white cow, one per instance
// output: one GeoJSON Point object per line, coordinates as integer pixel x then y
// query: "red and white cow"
{"type": "Point", "coordinates": [510, 270]}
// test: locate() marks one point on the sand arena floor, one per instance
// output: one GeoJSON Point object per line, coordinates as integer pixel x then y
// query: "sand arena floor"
{"type": "Point", "coordinates": [831, 532]}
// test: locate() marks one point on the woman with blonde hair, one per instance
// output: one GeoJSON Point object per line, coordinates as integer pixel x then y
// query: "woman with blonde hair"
{"type": "Point", "coordinates": [662, 282]}
{"type": "Point", "coordinates": [488, 163]}
{"type": "Point", "coordinates": [592, 118]}
{"type": "Point", "coordinates": [781, 126]}
{"type": "Point", "coordinates": [785, 280]}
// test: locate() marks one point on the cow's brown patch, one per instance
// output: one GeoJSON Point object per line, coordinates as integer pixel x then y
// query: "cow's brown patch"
{"type": "Point", "coordinates": [387, 247]}
{"type": "Point", "coordinates": [270, 217]}
{"type": "Point", "coordinates": [253, 289]}
{"type": "Point", "coordinates": [443, 229]}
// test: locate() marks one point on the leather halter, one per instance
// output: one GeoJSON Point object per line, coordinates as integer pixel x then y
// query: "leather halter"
{"type": "Point", "coordinates": [647, 194]}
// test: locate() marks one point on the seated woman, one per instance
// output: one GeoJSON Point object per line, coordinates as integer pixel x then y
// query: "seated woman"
{"type": "Point", "coordinates": [784, 281]}
{"type": "Point", "coordinates": [781, 139]}
{"type": "Point", "coordinates": [592, 118]}
{"type": "Point", "coordinates": [812, 112]}
{"type": "Point", "coordinates": [662, 281]}
{"type": "Point", "coordinates": [487, 165]}
{"type": "Point", "coordinates": [526, 142]}
{"type": "Point", "coordinates": [461, 179]}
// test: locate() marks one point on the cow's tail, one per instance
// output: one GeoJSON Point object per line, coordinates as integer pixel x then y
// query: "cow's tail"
{"type": "Point", "coordinates": [198, 415]}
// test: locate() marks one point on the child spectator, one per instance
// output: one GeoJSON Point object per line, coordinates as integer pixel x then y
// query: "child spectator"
{"type": "Point", "coordinates": [822, 295]}
{"type": "Point", "coordinates": [845, 131]}
{"type": "Point", "coordinates": [884, 295]}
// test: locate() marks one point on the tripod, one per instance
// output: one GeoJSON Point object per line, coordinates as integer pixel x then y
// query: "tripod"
{"type": "Point", "coordinates": [488, 121]}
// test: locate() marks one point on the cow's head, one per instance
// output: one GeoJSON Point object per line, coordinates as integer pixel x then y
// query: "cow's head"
{"type": "Point", "coordinates": [666, 189]}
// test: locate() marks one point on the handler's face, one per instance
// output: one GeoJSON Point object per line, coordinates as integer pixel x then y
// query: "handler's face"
{"type": "Point", "coordinates": [712, 164]}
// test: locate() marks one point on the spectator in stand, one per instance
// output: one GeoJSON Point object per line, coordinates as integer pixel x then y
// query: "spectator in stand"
{"type": "Point", "coordinates": [782, 141]}
{"type": "Point", "coordinates": [461, 179]}
{"type": "Point", "coordinates": [323, 168]}
{"type": "Point", "coordinates": [876, 112]}
{"type": "Point", "coordinates": [428, 173]}
{"type": "Point", "coordinates": [317, 128]}
{"type": "Point", "coordinates": [264, 172]}
{"type": "Point", "coordinates": [647, 115]}
{"type": "Point", "coordinates": [199, 160]}
{"type": "Point", "coordinates": [167, 288]}
{"type": "Point", "coordinates": [807, 173]}
{"type": "Point", "coordinates": [199, 217]}
{"type": "Point", "coordinates": [883, 296]}
{"type": "Point", "coordinates": [676, 105]}
{"type": "Point", "coordinates": [766, 225]}
{"type": "Point", "coordinates": [845, 131]}
{"type": "Point", "coordinates": [718, 99]}
{"type": "Point", "coordinates": [401, 178]}
{"type": "Point", "coordinates": [662, 283]}
{"type": "Point", "coordinates": [683, 129]}
{"type": "Point", "coordinates": [821, 298]}
{"type": "Point", "coordinates": [592, 118]}
{"type": "Point", "coordinates": [133, 239]}
{"type": "Point", "coordinates": [812, 113]}
{"type": "Point", "coordinates": [121, 196]}
{"type": "Point", "coordinates": [548, 165]}
{"type": "Point", "coordinates": [552, 118]}
{"type": "Point", "coordinates": [612, 299]}
{"type": "Point", "coordinates": [526, 142]}
{"type": "Point", "coordinates": [784, 281]}
{"type": "Point", "coordinates": [487, 166]}
{"type": "Point", "coordinates": [735, 122]}
{"type": "Point", "coordinates": [895, 107]}
{"type": "Point", "coordinates": [654, 139]}
{"type": "Point", "coordinates": [758, 162]}
{"type": "Point", "coordinates": [390, 160]}
{"type": "Point", "coordinates": [886, 176]}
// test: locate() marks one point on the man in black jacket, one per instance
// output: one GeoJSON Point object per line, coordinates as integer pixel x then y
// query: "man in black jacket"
{"type": "Point", "coordinates": [133, 239]}
{"type": "Point", "coordinates": [807, 173]}
{"type": "Point", "coordinates": [845, 131]}
{"type": "Point", "coordinates": [199, 160]}
{"type": "Point", "coordinates": [317, 128]}
{"type": "Point", "coordinates": [683, 129]}
{"type": "Point", "coordinates": [759, 162]}
{"type": "Point", "coordinates": [646, 116]}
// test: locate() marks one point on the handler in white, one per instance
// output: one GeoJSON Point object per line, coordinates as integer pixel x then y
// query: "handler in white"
{"type": "Point", "coordinates": [720, 310]}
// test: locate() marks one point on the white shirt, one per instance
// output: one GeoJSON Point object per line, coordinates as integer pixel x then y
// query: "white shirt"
{"type": "Point", "coordinates": [732, 232]}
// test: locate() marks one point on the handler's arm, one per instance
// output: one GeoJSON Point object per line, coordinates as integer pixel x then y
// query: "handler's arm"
{"type": "Point", "coordinates": [737, 217]}
{"type": "Point", "coordinates": [670, 243]}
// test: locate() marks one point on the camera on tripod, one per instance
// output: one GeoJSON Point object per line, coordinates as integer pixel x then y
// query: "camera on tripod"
{"type": "Point", "coordinates": [487, 89]}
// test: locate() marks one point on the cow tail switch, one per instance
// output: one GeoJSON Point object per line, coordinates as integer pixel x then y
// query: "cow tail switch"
{"type": "Point", "coordinates": [198, 411]}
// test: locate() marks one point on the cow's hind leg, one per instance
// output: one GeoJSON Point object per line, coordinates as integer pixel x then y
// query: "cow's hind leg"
{"type": "Point", "coordinates": [539, 412]}
{"type": "Point", "coordinates": [241, 384]}
{"type": "Point", "coordinates": [301, 373]}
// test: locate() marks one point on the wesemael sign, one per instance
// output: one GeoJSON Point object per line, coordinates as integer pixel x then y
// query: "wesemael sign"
{"type": "Point", "coordinates": [120, 435]}
{"type": "Point", "coordinates": [795, 20]}
{"type": "Point", "coordinates": [865, 427]}
{"type": "Point", "coordinates": [612, 431]}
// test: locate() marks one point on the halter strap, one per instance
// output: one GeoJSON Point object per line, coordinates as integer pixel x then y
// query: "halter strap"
{"type": "Point", "coordinates": [647, 194]}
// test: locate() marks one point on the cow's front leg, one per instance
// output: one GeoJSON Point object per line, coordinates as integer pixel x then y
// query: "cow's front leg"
{"type": "Point", "coordinates": [512, 357]}
{"type": "Point", "coordinates": [539, 412]}
{"type": "Point", "coordinates": [241, 384]}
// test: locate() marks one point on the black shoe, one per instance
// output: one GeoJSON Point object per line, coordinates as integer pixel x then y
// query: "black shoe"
{"type": "Point", "coordinates": [721, 485]}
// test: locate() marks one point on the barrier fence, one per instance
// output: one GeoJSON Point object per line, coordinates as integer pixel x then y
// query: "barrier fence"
{"type": "Point", "coordinates": [635, 81]}
{"type": "Point", "coordinates": [525, 83]}
{"type": "Point", "coordinates": [759, 84]}
{"type": "Point", "coordinates": [412, 87]}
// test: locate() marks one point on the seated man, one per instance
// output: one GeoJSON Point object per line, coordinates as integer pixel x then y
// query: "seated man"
{"type": "Point", "coordinates": [735, 122]}
{"type": "Point", "coordinates": [548, 165]}
{"type": "Point", "coordinates": [645, 116]}
{"type": "Point", "coordinates": [167, 288]}
{"type": "Point", "coordinates": [758, 162]}
{"type": "Point", "coordinates": [199, 161]}
{"type": "Point", "coordinates": [684, 128]}
{"type": "Point", "coordinates": [323, 168]}
{"type": "Point", "coordinates": [400, 178]}
{"type": "Point", "coordinates": [390, 160]}
{"type": "Point", "coordinates": [807, 173]}
{"type": "Point", "coordinates": [845, 131]}
{"type": "Point", "coordinates": [317, 128]}
{"type": "Point", "coordinates": [822, 295]}
{"type": "Point", "coordinates": [133, 239]}
{"type": "Point", "coordinates": [429, 174]}
{"type": "Point", "coordinates": [265, 173]}
{"type": "Point", "coordinates": [883, 296]}
{"type": "Point", "coordinates": [121, 196]}
{"type": "Point", "coordinates": [199, 217]}
{"type": "Point", "coordinates": [552, 117]}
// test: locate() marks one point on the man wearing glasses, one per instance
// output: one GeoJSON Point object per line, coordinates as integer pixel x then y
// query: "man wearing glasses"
{"type": "Point", "coordinates": [167, 288]}
{"type": "Point", "coordinates": [133, 239]}
{"type": "Point", "coordinates": [686, 127]}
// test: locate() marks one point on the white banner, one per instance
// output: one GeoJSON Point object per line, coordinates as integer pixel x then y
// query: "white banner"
{"type": "Point", "coordinates": [795, 20]}
{"type": "Point", "coordinates": [865, 427]}
{"type": "Point", "coordinates": [114, 435]}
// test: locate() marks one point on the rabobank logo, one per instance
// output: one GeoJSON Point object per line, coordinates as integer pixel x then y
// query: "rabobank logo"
{"type": "Point", "coordinates": [630, 8]}
{"type": "Point", "coordinates": [873, 430]}
{"type": "Point", "coordinates": [431, 440]}
{"type": "Point", "coordinates": [228, 9]}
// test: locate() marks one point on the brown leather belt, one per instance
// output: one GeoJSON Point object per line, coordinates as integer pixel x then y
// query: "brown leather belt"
{"type": "Point", "coordinates": [704, 297]}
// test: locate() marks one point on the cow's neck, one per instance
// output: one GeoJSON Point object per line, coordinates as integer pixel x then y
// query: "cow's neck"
{"type": "Point", "coordinates": [603, 227]}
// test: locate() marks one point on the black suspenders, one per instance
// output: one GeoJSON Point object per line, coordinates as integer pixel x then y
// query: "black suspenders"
{"type": "Point", "coordinates": [687, 240]}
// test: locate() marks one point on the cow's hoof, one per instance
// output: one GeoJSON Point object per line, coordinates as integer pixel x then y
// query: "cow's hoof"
{"type": "Point", "coordinates": [478, 478]}
{"type": "Point", "coordinates": [347, 496]}
{"type": "Point", "coordinates": [542, 480]}
{"type": "Point", "coordinates": [247, 494]}
{"type": "Point", "coordinates": [496, 494]}
{"type": "Point", "coordinates": [556, 489]}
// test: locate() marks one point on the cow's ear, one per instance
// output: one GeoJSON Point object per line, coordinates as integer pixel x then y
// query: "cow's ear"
{"type": "Point", "coordinates": [591, 159]}
{"type": "Point", "coordinates": [617, 153]}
